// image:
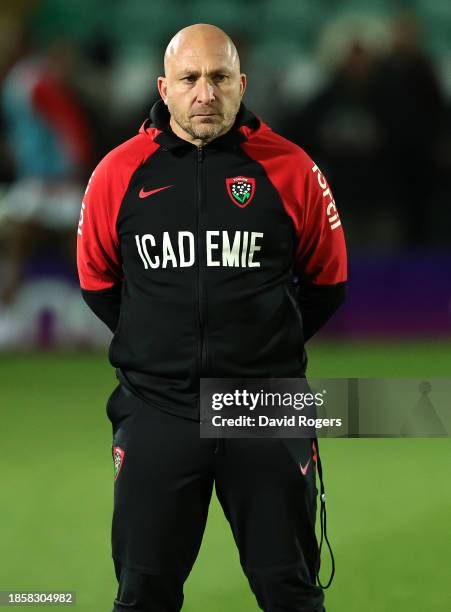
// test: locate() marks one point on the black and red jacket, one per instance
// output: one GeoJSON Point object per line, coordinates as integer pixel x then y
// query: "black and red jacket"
{"type": "Point", "coordinates": [217, 261]}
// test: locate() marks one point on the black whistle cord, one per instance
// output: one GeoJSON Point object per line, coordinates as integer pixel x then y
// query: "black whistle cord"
{"type": "Point", "coordinates": [323, 522]}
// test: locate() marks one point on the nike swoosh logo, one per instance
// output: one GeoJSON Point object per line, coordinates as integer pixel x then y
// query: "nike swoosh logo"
{"type": "Point", "coordinates": [145, 194]}
{"type": "Point", "coordinates": [304, 468]}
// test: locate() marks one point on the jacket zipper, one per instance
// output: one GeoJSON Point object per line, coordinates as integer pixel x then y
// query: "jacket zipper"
{"type": "Point", "coordinates": [200, 287]}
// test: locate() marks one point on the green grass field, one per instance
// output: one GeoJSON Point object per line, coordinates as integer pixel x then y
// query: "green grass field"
{"type": "Point", "coordinates": [389, 501]}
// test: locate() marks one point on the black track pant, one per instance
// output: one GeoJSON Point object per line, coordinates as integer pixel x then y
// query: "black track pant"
{"type": "Point", "coordinates": [164, 476]}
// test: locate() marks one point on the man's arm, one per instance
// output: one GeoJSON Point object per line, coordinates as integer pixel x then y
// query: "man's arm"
{"type": "Point", "coordinates": [98, 258]}
{"type": "Point", "coordinates": [105, 304]}
{"type": "Point", "coordinates": [321, 261]}
{"type": "Point", "coordinates": [317, 304]}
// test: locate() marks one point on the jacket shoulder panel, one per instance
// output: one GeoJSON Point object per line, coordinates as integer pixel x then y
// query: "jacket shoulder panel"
{"type": "Point", "coordinates": [308, 201]}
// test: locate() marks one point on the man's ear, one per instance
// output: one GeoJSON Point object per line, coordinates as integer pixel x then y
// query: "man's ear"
{"type": "Point", "coordinates": [162, 88]}
{"type": "Point", "coordinates": [243, 84]}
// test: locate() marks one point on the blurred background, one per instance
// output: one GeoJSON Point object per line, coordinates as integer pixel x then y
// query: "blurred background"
{"type": "Point", "coordinates": [365, 87]}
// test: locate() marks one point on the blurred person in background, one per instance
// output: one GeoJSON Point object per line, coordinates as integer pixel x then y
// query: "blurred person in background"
{"type": "Point", "coordinates": [49, 143]}
{"type": "Point", "coordinates": [374, 128]}
{"type": "Point", "coordinates": [341, 127]}
{"type": "Point", "coordinates": [411, 107]}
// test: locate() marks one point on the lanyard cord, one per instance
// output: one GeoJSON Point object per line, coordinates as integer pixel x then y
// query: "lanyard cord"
{"type": "Point", "coordinates": [323, 522]}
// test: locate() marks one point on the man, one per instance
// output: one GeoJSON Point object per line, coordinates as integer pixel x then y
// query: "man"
{"type": "Point", "coordinates": [190, 235]}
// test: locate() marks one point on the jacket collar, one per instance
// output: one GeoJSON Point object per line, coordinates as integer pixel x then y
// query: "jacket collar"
{"type": "Point", "coordinates": [158, 126]}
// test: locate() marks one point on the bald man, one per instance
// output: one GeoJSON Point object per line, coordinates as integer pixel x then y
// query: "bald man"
{"type": "Point", "coordinates": [211, 247]}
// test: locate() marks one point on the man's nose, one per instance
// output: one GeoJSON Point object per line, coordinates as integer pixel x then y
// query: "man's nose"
{"type": "Point", "coordinates": [205, 91]}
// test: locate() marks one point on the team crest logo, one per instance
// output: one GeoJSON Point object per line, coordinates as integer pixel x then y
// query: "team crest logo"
{"type": "Point", "coordinates": [241, 190]}
{"type": "Point", "coordinates": [118, 460]}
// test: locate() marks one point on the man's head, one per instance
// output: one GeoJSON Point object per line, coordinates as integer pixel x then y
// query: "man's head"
{"type": "Point", "coordinates": [202, 86]}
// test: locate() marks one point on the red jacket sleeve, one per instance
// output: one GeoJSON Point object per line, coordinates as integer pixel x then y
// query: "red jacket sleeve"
{"type": "Point", "coordinates": [98, 250]}
{"type": "Point", "coordinates": [98, 257]}
{"type": "Point", "coordinates": [321, 251]}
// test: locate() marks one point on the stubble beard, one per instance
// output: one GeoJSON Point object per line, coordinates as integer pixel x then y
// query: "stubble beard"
{"type": "Point", "coordinates": [205, 132]}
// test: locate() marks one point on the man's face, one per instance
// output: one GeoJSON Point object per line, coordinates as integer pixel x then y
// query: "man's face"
{"type": "Point", "coordinates": [202, 88]}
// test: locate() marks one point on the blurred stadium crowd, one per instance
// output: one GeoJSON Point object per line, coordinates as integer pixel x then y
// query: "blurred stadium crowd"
{"type": "Point", "coordinates": [363, 85]}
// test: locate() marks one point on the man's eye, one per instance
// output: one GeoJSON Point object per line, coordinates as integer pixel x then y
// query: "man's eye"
{"type": "Point", "coordinates": [219, 78]}
{"type": "Point", "coordinates": [190, 78]}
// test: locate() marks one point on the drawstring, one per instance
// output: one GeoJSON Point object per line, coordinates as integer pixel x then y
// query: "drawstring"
{"type": "Point", "coordinates": [323, 519]}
